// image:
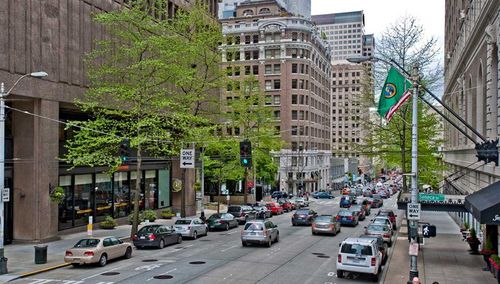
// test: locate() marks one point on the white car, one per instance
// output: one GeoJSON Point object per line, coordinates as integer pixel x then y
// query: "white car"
{"type": "Point", "coordinates": [359, 255]}
{"type": "Point", "coordinates": [191, 227]}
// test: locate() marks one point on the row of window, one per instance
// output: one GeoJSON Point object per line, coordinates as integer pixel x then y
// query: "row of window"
{"type": "Point", "coordinates": [337, 27]}
{"type": "Point", "coordinates": [304, 131]}
{"type": "Point", "coordinates": [346, 74]}
{"type": "Point", "coordinates": [346, 82]}
{"type": "Point", "coordinates": [334, 140]}
{"type": "Point", "coordinates": [270, 37]}
{"type": "Point", "coordinates": [340, 118]}
{"type": "Point", "coordinates": [354, 125]}
{"type": "Point", "coordinates": [346, 133]}
{"type": "Point", "coordinates": [346, 89]}
{"type": "Point", "coordinates": [346, 104]}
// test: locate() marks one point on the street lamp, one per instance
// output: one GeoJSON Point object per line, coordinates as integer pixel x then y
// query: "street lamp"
{"type": "Point", "coordinates": [3, 94]}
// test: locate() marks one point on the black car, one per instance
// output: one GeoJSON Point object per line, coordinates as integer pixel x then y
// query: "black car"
{"type": "Point", "coordinates": [303, 217]}
{"type": "Point", "coordinates": [279, 194]}
{"type": "Point", "coordinates": [377, 201]}
{"type": "Point", "coordinates": [156, 236]}
{"type": "Point", "coordinates": [242, 213]}
{"type": "Point", "coordinates": [222, 221]}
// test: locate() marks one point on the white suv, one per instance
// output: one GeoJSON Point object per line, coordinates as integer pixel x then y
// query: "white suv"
{"type": "Point", "coordinates": [359, 255]}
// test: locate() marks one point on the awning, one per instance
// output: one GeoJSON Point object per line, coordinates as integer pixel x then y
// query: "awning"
{"type": "Point", "coordinates": [484, 204]}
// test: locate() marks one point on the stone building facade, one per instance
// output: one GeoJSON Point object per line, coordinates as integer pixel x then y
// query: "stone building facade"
{"type": "Point", "coordinates": [54, 36]}
{"type": "Point", "coordinates": [292, 63]}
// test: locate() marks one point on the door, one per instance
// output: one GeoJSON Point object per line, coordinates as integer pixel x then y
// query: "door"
{"type": "Point", "coordinates": [109, 249]}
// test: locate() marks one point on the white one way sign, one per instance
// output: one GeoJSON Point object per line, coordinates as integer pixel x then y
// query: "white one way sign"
{"type": "Point", "coordinates": [187, 159]}
{"type": "Point", "coordinates": [413, 212]}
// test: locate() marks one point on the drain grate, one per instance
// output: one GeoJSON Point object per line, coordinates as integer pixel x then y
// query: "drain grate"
{"type": "Point", "coordinates": [149, 260]}
{"type": "Point", "coordinates": [197, 262]}
{"type": "Point", "coordinates": [110, 273]}
{"type": "Point", "coordinates": [163, 276]}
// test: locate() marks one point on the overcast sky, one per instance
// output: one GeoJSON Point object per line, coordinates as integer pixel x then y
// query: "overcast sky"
{"type": "Point", "coordinates": [380, 13]}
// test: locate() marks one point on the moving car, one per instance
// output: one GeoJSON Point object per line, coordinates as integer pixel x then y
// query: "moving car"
{"type": "Point", "coordinates": [302, 202]}
{"type": "Point", "coordinates": [303, 217]}
{"type": "Point", "coordinates": [191, 227]}
{"type": "Point", "coordinates": [262, 212]}
{"type": "Point", "coordinates": [286, 204]}
{"type": "Point", "coordinates": [260, 232]}
{"type": "Point", "coordinates": [325, 224]}
{"type": "Point", "coordinates": [275, 208]}
{"type": "Point", "coordinates": [382, 246]}
{"type": "Point", "coordinates": [358, 209]}
{"type": "Point", "coordinates": [323, 195]}
{"type": "Point", "coordinates": [359, 255]}
{"type": "Point", "coordinates": [388, 213]}
{"type": "Point", "coordinates": [383, 220]}
{"type": "Point", "coordinates": [279, 194]}
{"type": "Point", "coordinates": [377, 201]}
{"type": "Point", "coordinates": [346, 217]}
{"type": "Point", "coordinates": [382, 230]}
{"type": "Point", "coordinates": [97, 250]}
{"type": "Point", "coordinates": [222, 221]}
{"type": "Point", "coordinates": [345, 201]}
{"type": "Point", "coordinates": [241, 212]}
{"type": "Point", "coordinates": [354, 198]}
{"type": "Point", "coordinates": [156, 236]}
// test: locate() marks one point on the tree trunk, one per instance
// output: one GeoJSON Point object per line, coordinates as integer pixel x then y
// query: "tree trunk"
{"type": "Point", "coordinates": [135, 219]}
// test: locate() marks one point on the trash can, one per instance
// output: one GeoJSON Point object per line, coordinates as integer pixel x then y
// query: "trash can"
{"type": "Point", "coordinates": [40, 254]}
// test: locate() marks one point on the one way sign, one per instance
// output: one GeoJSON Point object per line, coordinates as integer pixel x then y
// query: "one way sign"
{"type": "Point", "coordinates": [413, 212]}
{"type": "Point", "coordinates": [187, 159]}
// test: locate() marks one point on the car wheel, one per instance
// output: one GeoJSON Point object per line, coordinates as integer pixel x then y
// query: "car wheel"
{"type": "Point", "coordinates": [128, 253]}
{"type": "Point", "coordinates": [227, 227]}
{"type": "Point", "coordinates": [277, 238]}
{"type": "Point", "coordinates": [314, 233]}
{"type": "Point", "coordinates": [269, 242]}
{"type": "Point", "coordinates": [375, 277]}
{"type": "Point", "coordinates": [195, 235]}
{"type": "Point", "coordinates": [103, 260]}
{"type": "Point", "coordinates": [243, 243]}
{"type": "Point", "coordinates": [161, 244]}
{"type": "Point", "coordinates": [384, 260]}
{"type": "Point", "coordinates": [340, 273]}
{"type": "Point", "coordinates": [179, 239]}
{"type": "Point", "coordinates": [293, 224]}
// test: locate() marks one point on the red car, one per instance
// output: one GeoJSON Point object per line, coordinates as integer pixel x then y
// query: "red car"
{"type": "Point", "coordinates": [286, 204]}
{"type": "Point", "coordinates": [275, 208]}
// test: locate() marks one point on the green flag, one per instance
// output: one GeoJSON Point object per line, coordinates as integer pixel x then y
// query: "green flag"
{"type": "Point", "coordinates": [395, 92]}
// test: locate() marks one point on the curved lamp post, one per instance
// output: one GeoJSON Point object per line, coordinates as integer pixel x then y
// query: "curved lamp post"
{"type": "Point", "coordinates": [3, 94]}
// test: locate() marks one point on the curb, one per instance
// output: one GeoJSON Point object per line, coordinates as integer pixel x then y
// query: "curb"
{"type": "Point", "coordinates": [54, 267]}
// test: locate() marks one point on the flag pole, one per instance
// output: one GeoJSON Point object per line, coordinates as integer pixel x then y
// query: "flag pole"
{"type": "Point", "coordinates": [414, 173]}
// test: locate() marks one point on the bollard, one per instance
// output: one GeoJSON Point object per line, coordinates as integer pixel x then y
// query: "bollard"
{"type": "Point", "coordinates": [40, 254]}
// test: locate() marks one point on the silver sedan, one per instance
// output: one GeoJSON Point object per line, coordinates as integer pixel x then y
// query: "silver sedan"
{"type": "Point", "coordinates": [191, 227]}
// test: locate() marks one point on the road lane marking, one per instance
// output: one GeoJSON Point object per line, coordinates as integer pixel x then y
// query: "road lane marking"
{"type": "Point", "coordinates": [95, 275]}
{"type": "Point", "coordinates": [226, 249]}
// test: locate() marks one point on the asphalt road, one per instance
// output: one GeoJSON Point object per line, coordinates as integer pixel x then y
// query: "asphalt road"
{"type": "Point", "coordinates": [298, 257]}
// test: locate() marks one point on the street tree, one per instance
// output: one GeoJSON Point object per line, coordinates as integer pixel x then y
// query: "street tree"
{"type": "Point", "coordinates": [150, 80]}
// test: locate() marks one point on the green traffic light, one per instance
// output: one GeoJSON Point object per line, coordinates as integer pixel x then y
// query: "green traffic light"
{"type": "Point", "coordinates": [245, 161]}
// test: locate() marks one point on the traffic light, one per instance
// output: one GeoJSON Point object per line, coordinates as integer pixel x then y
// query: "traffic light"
{"type": "Point", "coordinates": [487, 151]}
{"type": "Point", "coordinates": [124, 151]}
{"type": "Point", "coordinates": [429, 231]}
{"type": "Point", "coordinates": [246, 153]}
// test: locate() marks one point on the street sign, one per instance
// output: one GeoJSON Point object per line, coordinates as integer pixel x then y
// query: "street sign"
{"type": "Point", "coordinates": [413, 249]}
{"type": "Point", "coordinates": [413, 212]}
{"type": "Point", "coordinates": [428, 231]}
{"type": "Point", "coordinates": [187, 159]}
{"type": "Point", "coordinates": [6, 194]}
{"type": "Point", "coordinates": [430, 197]}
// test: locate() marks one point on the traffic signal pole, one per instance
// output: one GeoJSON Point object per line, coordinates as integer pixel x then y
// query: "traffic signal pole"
{"type": "Point", "coordinates": [245, 179]}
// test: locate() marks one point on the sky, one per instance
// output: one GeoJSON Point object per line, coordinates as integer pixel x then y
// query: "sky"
{"type": "Point", "coordinates": [381, 13]}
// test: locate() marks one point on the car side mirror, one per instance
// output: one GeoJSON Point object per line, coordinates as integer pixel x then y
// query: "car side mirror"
{"type": "Point", "coordinates": [340, 244]}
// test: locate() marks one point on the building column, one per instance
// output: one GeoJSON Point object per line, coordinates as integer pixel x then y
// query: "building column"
{"type": "Point", "coordinates": [491, 82]}
{"type": "Point", "coordinates": [36, 168]}
{"type": "Point", "coordinates": [188, 186]}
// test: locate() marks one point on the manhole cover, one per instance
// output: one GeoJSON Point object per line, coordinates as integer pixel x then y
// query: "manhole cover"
{"type": "Point", "coordinates": [318, 253]}
{"type": "Point", "coordinates": [323, 256]}
{"type": "Point", "coordinates": [197, 262]}
{"type": "Point", "coordinates": [163, 277]}
{"type": "Point", "coordinates": [111, 273]}
{"type": "Point", "coordinates": [149, 260]}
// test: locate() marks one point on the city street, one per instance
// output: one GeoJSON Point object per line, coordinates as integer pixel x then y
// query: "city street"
{"type": "Point", "coordinates": [298, 257]}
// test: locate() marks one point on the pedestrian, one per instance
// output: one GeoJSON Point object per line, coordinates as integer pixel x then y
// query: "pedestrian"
{"type": "Point", "coordinates": [416, 280]}
{"type": "Point", "coordinates": [202, 216]}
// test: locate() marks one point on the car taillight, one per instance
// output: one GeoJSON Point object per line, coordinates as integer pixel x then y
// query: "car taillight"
{"type": "Point", "coordinates": [374, 261]}
{"type": "Point", "coordinates": [134, 238]}
{"type": "Point", "coordinates": [68, 253]}
{"type": "Point", "coordinates": [338, 217]}
{"type": "Point", "coordinates": [242, 214]}
{"type": "Point", "coordinates": [88, 253]}
{"type": "Point", "coordinates": [339, 258]}
{"type": "Point", "coordinates": [387, 235]}
{"type": "Point", "coordinates": [350, 217]}
{"type": "Point", "coordinates": [220, 222]}
{"type": "Point", "coordinates": [152, 237]}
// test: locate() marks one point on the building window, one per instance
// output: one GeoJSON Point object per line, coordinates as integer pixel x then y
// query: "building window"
{"type": "Point", "coordinates": [264, 11]}
{"type": "Point", "coordinates": [294, 36]}
{"type": "Point", "coordinates": [268, 69]}
{"type": "Point", "coordinates": [277, 84]}
{"type": "Point", "coordinates": [268, 100]}
{"type": "Point", "coordinates": [294, 67]}
{"type": "Point", "coordinates": [255, 38]}
{"type": "Point", "coordinates": [255, 69]}
{"type": "Point", "coordinates": [294, 83]}
{"type": "Point", "coordinates": [247, 70]}
{"type": "Point", "coordinates": [268, 85]}
{"type": "Point", "coordinates": [277, 100]}
{"type": "Point", "coordinates": [294, 99]}
{"type": "Point", "coordinates": [277, 68]}
{"type": "Point", "coordinates": [248, 12]}
{"type": "Point", "coordinates": [294, 115]}
{"type": "Point", "coordinates": [277, 114]}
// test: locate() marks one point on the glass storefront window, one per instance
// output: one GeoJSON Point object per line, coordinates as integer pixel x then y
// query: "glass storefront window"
{"type": "Point", "coordinates": [151, 186]}
{"type": "Point", "coordinates": [133, 179]}
{"type": "Point", "coordinates": [121, 189]}
{"type": "Point", "coordinates": [103, 196]}
{"type": "Point", "coordinates": [66, 207]}
{"type": "Point", "coordinates": [82, 199]}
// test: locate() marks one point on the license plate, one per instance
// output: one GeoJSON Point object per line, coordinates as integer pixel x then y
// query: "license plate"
{"type": "Point", "coordinates": [142, 237]}
{"type": "Point", "coordinates": [253, 233]}
{"type": "Point", "coordinates": [178, 228]}
{"type": "Point", "coordinates": [343, 218]}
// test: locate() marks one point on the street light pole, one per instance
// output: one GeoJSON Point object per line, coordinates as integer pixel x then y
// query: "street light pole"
{"type": "Point", "coordinates": [3, 94]}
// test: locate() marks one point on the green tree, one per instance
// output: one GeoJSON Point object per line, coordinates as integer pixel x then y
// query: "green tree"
{"type": "Point", "coordinates": [149, 82]}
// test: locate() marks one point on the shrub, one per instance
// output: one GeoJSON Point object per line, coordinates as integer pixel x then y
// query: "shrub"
{"type": "Point", "coordinates": [149, 215]}
{"type": "Point", "coordinates": [131, 218]}
{"type": "Point", "coordinates": [108, 223]}
{"type": "Point", "coordinates": [167, 213]}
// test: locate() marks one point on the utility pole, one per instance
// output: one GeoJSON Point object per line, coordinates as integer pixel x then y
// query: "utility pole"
{"type": "Point", "coordinates": [183, 194]}
{"type": "Point", "coordinates": [414, 172]}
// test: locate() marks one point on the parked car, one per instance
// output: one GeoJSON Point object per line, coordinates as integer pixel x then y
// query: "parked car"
{"type": "Point", "coordinates": [275, 208]}
{"type": "Point", "coordinates": [97, 250]}
{"type": "Point", "coordinates": [260, 232]}
{"type": "Point", "coordinates": [262, 212]}
{"type": "Point", "coordinates": [382, 230]}
{"type": "Point", "coordinates": [242, 213]}
{"type": "Point", "coordinates": [377, 201]}
{"type": "Point", "coordinates": [324, 195]}
{"type": "Point", "coordinates": [359, 255]}
{"type": "Point", "coordinates": [346, 217]}
{"type": "Point", "coordinates": [325, 224]}
{"type": "Point", "coordinates": [358, 209]}
{"type": "Point", "coordinates": [156, 236]}
{"type": "Point", "coordinates": [222, 221]}
{"type": "Point", "coordinates": [389, 213]}
{"type": "Point", "coordinates": [286, 204]}
{"type": "Point", "coordinates": [345, 201]}
{"type": "Point", "coordinates": [279, 194]}
{"type": "Point", "coordinates": [382, 246]}
{"type": "Point", "coordinates": [191, 227]}
{"type": "Point", "coordinates": [303, 217]}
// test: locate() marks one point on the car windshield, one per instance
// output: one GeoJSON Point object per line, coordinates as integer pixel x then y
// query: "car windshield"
{"type": "Point", "coordinates": [323, 219]}
{"type": "Point", "coordinates": [147, 229]}
{"type": "Point", "coordinates": [377, 228]}
{"type": "Point", "coordinates": [246, 208]}
{"type": "Point", "coordinates": [183, 222]}
{"type": "Point", "coordinates": [300, 199]}
{"type": "Point", "coordinates": [233, 209]}
{"type": "Point", "coordinates": [382, 213]}
{"type": "Point", "coordinates": [345, 213]}
{"type": "Point", "coordinates": [357, 249]}
{"type": "Point", "coordinates": [375, 196]}
{"type": "Point", "coordinates": [380, 221]}
{"type": "Point", "coordinates": [87, 243]}
{"type": "Point", "coordinates": [254, 226]}
{"type": "Point", "coordinates": [302, 212]}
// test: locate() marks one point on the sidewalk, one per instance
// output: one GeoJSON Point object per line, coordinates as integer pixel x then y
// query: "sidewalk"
{"type": "Point", "coordinates": [444, 259]}
{"type": "Point", "coordinates": [21, 257]}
